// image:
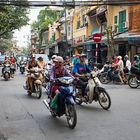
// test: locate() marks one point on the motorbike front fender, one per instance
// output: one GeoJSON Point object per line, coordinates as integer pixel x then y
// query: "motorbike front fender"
{"type": "Point", "coordinates": [100, 89]}
{"type": "Point", "coordinates": [38, 82]}
{"type": "Point", "coordinates": [70, 100]}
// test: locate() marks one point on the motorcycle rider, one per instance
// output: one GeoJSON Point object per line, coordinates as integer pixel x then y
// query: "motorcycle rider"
{"type": "Point", "coordinates": [67, 63]}
{"type": "Point", "coordinates": [127, 67]}
{"type": "Point", "coordinates": [58, 70]}
{"type": "Point", "coordinates": [29, 80]}
{"type": "Point", "coordinates": [13, 63]}
{"type": "Point", "coordinates": [6, 61]}
{"type": "Point", "coordinates": [41, 63]}
{"type": "Point", "coordinates": [136, 67]}
{"type": "Point", "coordinates": [80, 70]}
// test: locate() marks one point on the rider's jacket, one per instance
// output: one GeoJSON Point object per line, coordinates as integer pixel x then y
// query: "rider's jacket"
{"type": "Point", "coordinates": [59, 72]}
{"type": "Point", "coordinates": [32, 64]}
{"type": "Point", "coordinates": [81, 69]}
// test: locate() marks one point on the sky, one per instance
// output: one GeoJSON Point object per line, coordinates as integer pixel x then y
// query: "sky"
{"type": "Point", "coordinates": [23, 35]}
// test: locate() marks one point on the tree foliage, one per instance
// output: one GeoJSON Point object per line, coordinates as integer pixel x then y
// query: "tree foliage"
{"type": "Point", "coordinates": [13, 17]}
{"type": "Point", "coordinates": [46, 16]}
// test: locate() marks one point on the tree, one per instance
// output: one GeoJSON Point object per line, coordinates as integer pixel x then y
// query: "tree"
{"type": "Point", "coordinates": [110, 40]}
{"type": "Point", "coordinates": [46, 16]}
{"type": "Point", "coordinates": [13, 17]}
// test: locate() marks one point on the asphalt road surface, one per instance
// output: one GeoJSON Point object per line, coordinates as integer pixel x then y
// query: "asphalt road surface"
{"type": "Point", "coordinates": [27, 118]}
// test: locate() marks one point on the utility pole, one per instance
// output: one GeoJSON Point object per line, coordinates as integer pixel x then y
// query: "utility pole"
{"type": "Point", "coordinates": [66, 44]}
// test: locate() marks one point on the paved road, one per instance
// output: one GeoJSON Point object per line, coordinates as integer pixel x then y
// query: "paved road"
{"type": "Point", "coordinates": [26, 118]}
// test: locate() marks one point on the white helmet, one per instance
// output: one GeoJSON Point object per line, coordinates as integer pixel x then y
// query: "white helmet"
{"type": "Point", "coordinates": [54, 56]}
{"type": "Point", "coordinates": [59, 59]}
{"type": "Point", "coordinates": [119, 57]}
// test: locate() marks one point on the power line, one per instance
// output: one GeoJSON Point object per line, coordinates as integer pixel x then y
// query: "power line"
{"type": "Point", "coordinates": [71, 3]}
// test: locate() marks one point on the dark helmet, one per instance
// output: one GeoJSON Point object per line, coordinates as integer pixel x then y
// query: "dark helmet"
{"type": "Point", "coordinates": [136, 57]}
{"type": "Point", "coordinates": [40, 58]}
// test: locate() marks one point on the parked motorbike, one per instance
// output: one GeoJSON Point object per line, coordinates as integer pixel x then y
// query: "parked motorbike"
{"type": "Point", "coordinates": [133, 82]}
{"type": "Point", "coordinates": [95, 92]}
{"type": "Point", "coordinates": [22, 67]}
{"type": "Point", "coordinates": [36, 84]}
{"type": "Point", "coordinates": [6, 72]}
{"type": "Point", "coordinates": [66, 100]}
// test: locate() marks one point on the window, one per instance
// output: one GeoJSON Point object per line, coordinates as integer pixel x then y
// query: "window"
{"type": "Point", "coordinates": [122, 20]}
{"type": "Point", "coordinates": [115, 19]}
{"type": "Point", "coordinates": [78, 23]}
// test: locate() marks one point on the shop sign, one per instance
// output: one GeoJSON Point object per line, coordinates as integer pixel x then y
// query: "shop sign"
{"type": "Point", "coordinates": [79, 40]}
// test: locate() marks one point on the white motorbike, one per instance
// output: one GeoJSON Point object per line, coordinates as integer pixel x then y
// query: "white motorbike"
{"type": "Point", "coordinates": [95, 92]}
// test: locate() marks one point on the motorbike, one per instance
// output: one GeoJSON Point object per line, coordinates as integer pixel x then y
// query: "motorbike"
{"type": "Point", "coordinates": [35, 74]}
{"type": "Point", "coordinates": [13, 68]}
{"type": "Point", "coordinates": [6, 72]}
{"type": "Point", "coordinates": [95, 92]}
{"type": "Point", "coordinates": [109, 76]}
{"type": "Point", "coordinates": [133, 82]}
{"type": "Point", "coordinates": [22, 67]}
{"type": "Point", "coordinates": [66, 100]}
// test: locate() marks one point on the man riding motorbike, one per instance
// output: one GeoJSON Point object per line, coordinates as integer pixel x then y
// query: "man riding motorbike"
{"type": "Point", "coordinates": [6, 61]}
{"type": "Point", "coordinates": [136, 67]}
{"type": "Point", "coordinates": [80, 70]}
{"type": "Point", "coordinates": [29, 80]}
{"type": "Point", "coordinates": [57, 71]}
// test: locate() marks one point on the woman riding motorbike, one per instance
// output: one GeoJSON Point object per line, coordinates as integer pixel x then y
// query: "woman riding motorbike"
{"type": "Point", "coordinates": [58, 70]}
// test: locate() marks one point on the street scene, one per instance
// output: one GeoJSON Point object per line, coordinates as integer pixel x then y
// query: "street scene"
{"type": "Point", "coordinates": [69, 69]}
{"type": "Point", "coordinates": [26, 118]}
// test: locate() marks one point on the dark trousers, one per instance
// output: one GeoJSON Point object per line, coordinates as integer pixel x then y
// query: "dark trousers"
{"type": "Point", "coordinates": [82, 83]}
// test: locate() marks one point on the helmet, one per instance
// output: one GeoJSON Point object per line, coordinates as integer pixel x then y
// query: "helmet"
{"type": "Point", "coordinates": [54, 56]}
{"type": "Point", "coordinates": [136, 57]}
{"type": "Point", "coordinates": [119, 57]}
{"type": "Point", "coordinates": [126, 56]}
{"type": "Point", "coordinates": [40, 58]}
{"type": "Point", "coordinates": [83, 55]}
{"type": "Point", "coordinates": [59, 59]}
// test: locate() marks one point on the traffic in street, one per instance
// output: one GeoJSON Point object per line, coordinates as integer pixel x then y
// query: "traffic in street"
{"type": "Point", "coordinates": [26, 117]}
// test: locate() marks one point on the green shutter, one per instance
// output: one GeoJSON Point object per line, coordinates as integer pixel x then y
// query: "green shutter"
{"type": "Point", "coordinates": [122, 20]}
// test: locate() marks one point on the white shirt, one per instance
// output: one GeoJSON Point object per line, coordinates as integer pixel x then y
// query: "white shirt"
{"type": "Point", "coordinates": [121, 65]}
{"type": "Point", "coordinates": [128, 64]}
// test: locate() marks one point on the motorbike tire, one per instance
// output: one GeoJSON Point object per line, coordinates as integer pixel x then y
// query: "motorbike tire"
{"type": "Point", "coordinates": [132, 82]}
{"type": "Point", "coordinates": [6, 76]}
{"type": "Point", "coordinates": [78, 101]}
{"type": "Point", "coordinates": [38, 91]}
{"type": "Point", "coordinates": [29, 93]}
{"type": "Point", "coordinates": [71, 116]}
{"type": "Point", "coordinates": [104, 79]}
{"type": "Point", "coordinates": [104, 99]}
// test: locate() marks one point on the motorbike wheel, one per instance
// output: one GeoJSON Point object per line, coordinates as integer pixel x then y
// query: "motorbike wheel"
{"type": "Point", "coordinates": [78, 101]}
{"type": "Point", "coordinates": [132, 82]}
{"type": "Point", "coordinates": [29, 93]}
{"type": "Point", "coordinates": [6, 76]}
{"type": "Point", "coordinates": [38, 91]}
{"type": "Point", "coordinates": [104, 100]}
{"type": "Point", "coordinates": [71, 116]}
{"type": "Point", "coordinates": [104, 79]}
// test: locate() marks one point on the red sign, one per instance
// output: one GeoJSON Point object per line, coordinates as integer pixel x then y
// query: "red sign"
{"type": "Point", "coordinates": [97, 37]}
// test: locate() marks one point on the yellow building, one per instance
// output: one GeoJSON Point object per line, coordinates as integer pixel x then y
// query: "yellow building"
{"type": "Point", "coordinates": [118, 20]}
